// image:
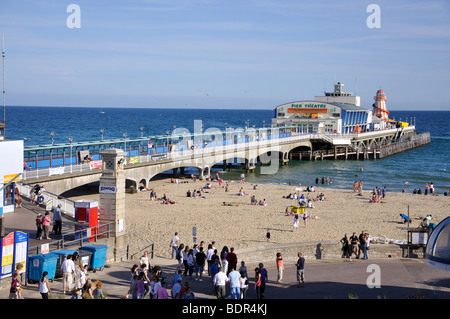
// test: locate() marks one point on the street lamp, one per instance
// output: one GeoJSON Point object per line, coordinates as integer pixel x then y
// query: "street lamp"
{"type": "Point", "coordinates": [142, 131]}
{"type": "Point", "coordinates": [167, 140]}
{"type": "Point", "coordinates": [101, 131]}
{"type": "Point", "coordinates": [125, 143]}
{"type": "Point", "coordinates": [70, 140]}
{"type": "Point", "coordinates": [52, 134]}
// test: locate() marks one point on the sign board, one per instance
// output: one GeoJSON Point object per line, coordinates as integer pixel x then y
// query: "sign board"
{"type": "Point", "coordinates": [96, 164]}
{"type": "Point", "coordinates": [7, 254]}
{"type": "Point", "coordinates": [14, 251]}
{"type": "Point", "coordinates": [85, 203]}
{"type": "Point", "coordinates": [419, 238]}
{"type": "Point", "coordinates": [45, 248]}
{"type": "Point", "coordinates": [108, 189]}
{"type": "Point", "coordinates": [10, 177]}
{"type": "Point", "coordinates": [56, 170]}
{"type": "Point", "coordinates": [21, 249]}
{"type": "Point", "coordinates": [120, 225]}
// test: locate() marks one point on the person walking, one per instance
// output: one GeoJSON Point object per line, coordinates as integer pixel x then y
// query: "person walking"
{"type": "Point", "coordinates": [264, 279]}
{"type": "Point", "coordinates": [300, 270]}
{"type": "Point", "coordinates": [244, 285]}
{"type": "Point", "coordinates": [46, 225]}
{"type": "Point", "coordinates": [366, 246]}
{"type": "Point", "coordinates": [68, 269]}
{"type": "Point", "coordinates": [223, 257]}
{"type": "Point", "coordinates": [44, 286]}
{"type": "Point", "coordinates": [362, 241]}
{"type": "Point", "coordinates": [346, 249]}
{"type": "Point", "coordinates": [57, 220]}
{"type": "Point", "coordinates": [174, 242]}
{"type": "Point", "coordinates": [232, 260]}
{"type": "Point", "coordinates": [234, 280]}
{"type": "Point", "coordinates": [219, 282]}
{"type": "Point", "coordinates": [258, 282]}
{"type": "Point", "coordinates": [280, 266]}
{"type": "Point", "coordinates": [200, 259]}
{"type": "Point", "coordinates": [39, 226]}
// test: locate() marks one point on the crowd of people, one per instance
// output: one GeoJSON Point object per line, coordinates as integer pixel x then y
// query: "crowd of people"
{"type": "Point", "coordinates": [229, 278]}
{"type": "Point", "coordinates": [75, 281]}
{"type": "Point", "coordinates": [355, 245]}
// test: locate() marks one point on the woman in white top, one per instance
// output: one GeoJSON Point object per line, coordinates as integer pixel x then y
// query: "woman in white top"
{"type": "Point", "coordinates": [44, 287]}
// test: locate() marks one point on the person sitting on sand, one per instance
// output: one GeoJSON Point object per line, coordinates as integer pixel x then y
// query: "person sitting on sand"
{"type": "Point", "coordinates": [405, 218]}
{"type": "Point", "coordinates": [288, 211]}
{"type": "Point", "coordinates": [253, 200]}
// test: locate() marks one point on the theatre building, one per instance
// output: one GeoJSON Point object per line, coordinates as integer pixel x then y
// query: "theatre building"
{"type": "Point", "coordinates": [335, 112]}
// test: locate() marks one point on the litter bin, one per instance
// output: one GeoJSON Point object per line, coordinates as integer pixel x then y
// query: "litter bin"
{"type": "Point", "coordinates": [98, 258]}
{"type": "Point", "coordinates": [85, 256]}
{"type": "Point", "coordinates": [62, 255]}
{"type": "Point", "coordinates": [37, 264]}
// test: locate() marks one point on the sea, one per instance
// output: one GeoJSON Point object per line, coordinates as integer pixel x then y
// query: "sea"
{"type": "Point", "coordinates": [404, 171]}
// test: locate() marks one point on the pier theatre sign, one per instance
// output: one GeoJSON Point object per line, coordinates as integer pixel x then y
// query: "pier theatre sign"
{"type": "Point", "coordinates": [307, 108]}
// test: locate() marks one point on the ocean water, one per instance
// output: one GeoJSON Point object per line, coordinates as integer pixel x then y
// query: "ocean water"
{"type": "Point", "coordinates": [427, 164]}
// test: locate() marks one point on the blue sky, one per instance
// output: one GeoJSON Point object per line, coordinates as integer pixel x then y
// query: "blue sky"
{"type": "Point", "coordinates": [225, 53]}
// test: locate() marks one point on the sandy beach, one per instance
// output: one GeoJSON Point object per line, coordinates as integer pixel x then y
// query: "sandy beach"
{"type": "Point", "coordinates": [244, 225]}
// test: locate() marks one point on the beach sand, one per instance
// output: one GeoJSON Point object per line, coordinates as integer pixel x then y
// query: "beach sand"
{"type": "Point", "coordinates": [243, 225]}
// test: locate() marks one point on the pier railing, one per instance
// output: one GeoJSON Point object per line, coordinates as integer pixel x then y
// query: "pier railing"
{"type": "Point", "coordinates": [252, 139]}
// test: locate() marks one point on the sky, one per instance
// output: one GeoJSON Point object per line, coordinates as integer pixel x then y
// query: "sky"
{"type": "Point", "coordinates": [248, 54]}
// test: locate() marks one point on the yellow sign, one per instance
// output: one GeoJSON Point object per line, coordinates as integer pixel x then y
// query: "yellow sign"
{"type": "Point", "coordinates": [8, 178]}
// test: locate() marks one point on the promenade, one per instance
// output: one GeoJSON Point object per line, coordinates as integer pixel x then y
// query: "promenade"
{"type": "Point", "coordinates": [400, 278]}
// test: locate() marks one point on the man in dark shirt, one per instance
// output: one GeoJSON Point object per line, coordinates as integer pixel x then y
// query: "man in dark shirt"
{"type": "Point", "coordinates": [354, 244]}
{"type": "Point", "coordinates": [362, 241]}
{"type": "Point", "coordinates": [200, 258]}
{"type": "Point", "coordinates": [300, 270]}
{"type": "Point", "coordinates": [264, 279]}
{"type": "Point", "coordinates": [232, 260]}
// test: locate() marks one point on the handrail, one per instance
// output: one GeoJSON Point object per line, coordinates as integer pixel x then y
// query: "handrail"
{"type": "Point", "coordinates": [80, 236]}
{"type": "Point", "coordinates": [67, 204]}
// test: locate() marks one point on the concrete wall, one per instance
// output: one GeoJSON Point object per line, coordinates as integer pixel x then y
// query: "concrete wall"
{"type": "Point", "coordinates": [325, 250]}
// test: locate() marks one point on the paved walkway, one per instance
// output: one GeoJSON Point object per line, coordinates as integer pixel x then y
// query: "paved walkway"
{"type": "Point", "coordinates": [399, 278]}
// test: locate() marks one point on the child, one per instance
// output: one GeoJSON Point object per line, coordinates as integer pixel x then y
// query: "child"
{"type": "Point", "coordinates": [39, 226]}
{"type": "Point", "coordinates": [280, 267]}
{"type": "Point", "coordinates": [244, 285]}
{"type": "Point", "coordinates": [98, 291]}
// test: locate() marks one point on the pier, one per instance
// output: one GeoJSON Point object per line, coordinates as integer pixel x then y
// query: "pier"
{"type": "Point", "coordinates": [63, 167]}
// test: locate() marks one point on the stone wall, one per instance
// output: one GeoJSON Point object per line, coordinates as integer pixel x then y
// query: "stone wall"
{"type": "Point", "coordinates": [324, 250]}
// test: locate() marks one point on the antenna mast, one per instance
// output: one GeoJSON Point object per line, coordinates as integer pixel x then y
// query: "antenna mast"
{"type": "Point", "coordinates": [3, 63]}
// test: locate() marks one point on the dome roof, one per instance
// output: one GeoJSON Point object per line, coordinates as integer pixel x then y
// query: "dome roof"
{"type": "Point", "coordinates": [438, 246]}
{"type": "Point", "coordinates": [381, 92]}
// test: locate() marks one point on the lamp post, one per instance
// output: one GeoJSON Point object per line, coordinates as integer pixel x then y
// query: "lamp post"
{"type": "Point", "coordinates": [142, 131]}
{"type": "Point", "coordinates": [125, 145]}
{"type": "Point", "coordinates": [167, 140]}
{"type": "Point", "coordinates": [51, 150]}
{"type": "Point", "coordinates": [101, 132]}
{"type": "Point", "coordinates": [70, 155]}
